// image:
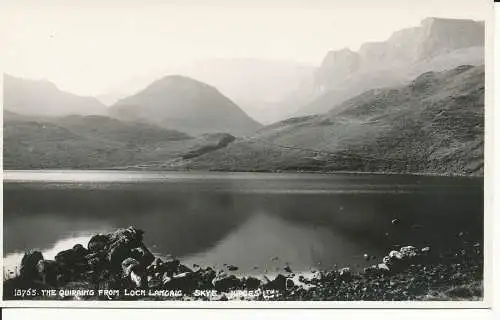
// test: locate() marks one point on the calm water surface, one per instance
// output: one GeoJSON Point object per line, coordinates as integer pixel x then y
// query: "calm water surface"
{"type": "Point", "coordinates": [257, 221]}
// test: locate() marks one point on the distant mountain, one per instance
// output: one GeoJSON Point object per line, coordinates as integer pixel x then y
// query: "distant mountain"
{"type": "Point", "coordinates": [185, 104]}
{"type": "Point", "coordinates": [43, 98]}
{"type": "Point", "coordinates": [93, 142]}
{"type": "Point", "coordinates": [436, 45]}
{"type": "Point", "coordinates": [434, 124]}
{"type": "Point", "coordinates": [258, 86]}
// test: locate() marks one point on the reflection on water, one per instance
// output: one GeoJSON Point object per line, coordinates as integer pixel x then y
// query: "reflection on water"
{"type": "Point", "coordinates": [267, 243]}
{"type": "Point", "coordinates": [308, 221]}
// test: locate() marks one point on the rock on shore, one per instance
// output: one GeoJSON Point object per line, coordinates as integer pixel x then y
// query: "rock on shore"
{"type": "Point", "coordinates": [120, 260]}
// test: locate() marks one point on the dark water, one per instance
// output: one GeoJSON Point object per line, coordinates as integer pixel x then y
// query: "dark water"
{"type": "Point", "coordinates": [245, 219]}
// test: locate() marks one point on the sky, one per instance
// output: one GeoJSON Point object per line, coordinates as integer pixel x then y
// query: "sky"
{"type": "Point", "coordinates": [88, 47]}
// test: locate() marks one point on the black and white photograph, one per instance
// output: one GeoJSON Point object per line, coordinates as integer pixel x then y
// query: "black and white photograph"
{"type": "Point", "coordinates": [244, 153]}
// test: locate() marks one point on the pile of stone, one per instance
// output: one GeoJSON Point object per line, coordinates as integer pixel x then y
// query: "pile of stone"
{"type": "Point", "coordinates": [121, 260]}
{"type": "Point", "coordinates": [399, 260]}
{"type": "Point", "coordinates": [102, 259]}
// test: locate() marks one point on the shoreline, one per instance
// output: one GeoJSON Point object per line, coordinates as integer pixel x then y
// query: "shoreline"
{"type": "Point", "coordinates": [118, 266]}
{"type": "Point", "coordinates": [139, 170]}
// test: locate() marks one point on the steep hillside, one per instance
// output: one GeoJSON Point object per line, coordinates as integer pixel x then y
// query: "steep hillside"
{"type": "Point", "coordinates": [43, 98]}
{"type": "Point", "coordinates": [187, 105]}
{"type": "Point", "coordinates": [434, 124]}
{"type": "Point", "coordinates": [436, 45]}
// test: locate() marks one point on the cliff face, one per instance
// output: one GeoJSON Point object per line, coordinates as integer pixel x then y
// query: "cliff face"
{"type": "Point", "coordinates": [444, 35]}
{"type": "Point", "coordinates": [435, 45]}
{"type": "Point", "coordinates": [336, 66]}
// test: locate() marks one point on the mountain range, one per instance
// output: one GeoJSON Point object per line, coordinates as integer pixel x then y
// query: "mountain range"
{"type": "Point", "coordinates": [172, 102]}
{"type": "Point", "coordinates": [411, 104]}
{"type": "Point", "coordinates": [434, 124]}
{"type": "Point", "coordinates": [259, 87]}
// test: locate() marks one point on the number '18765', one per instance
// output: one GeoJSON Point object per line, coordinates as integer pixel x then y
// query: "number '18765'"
{"type": "Point", "coordinates": [25, 292]}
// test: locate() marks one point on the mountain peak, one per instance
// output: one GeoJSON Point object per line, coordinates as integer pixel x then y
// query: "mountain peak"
{"type": "Point", "coordinates": [177, 82]}
{"type": "Point", "coordinates": [177, 78]}
{"type": "Point", "coordinates": [185, 104]}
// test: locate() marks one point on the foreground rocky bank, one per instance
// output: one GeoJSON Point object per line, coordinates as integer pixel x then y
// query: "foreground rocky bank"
{"type": "Point", "coordinates": [118, 266]}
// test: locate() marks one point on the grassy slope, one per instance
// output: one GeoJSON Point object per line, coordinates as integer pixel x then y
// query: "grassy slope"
{"type": "Point", "coordinates": [90, 142]}
{"type": "Point", "coordinates": [433, 125]}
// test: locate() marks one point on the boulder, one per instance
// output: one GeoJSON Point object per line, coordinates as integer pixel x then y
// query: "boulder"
{"type": "Point", "coordinates": [130, 236]}
{"type": "Point", "coordinates": [186, 281]}
{"type": "Point", "coordinates": [98, 242]}
{"type": "Point", "coordinates": [120, 245]}
{"type": "Point", "coordinates": [251, 283]}
{"type": "Point", "coordinates": [408, 252]}
{"type": "Point", "coordinates": [95, 261]}
{"type": "Point", "coordinates": [289, 284]}
{"type": "Point", "coordinates": [345, 274]}
{"type": "Point", "coordinates": [143, 255]}
{"type": "Point", "coordinates": [170, 266]}
{"type": "Point", "coordinates": [154, 282]}
{"type": "Point", "coordinates": [128, 265]}
{"type": "Point", "coordinates": [278, 283]}
{"type": "Point", "coordinates": [117, 254]}
{"type": "Point", "coordinates": [183, 269]}
{"type": "Point", "coordinates": [165, 279]}
{"type": "Point", "coordinates": [207, 275]}
{"type": "Point", "coordinates": [155, 267]}
{"type": "Point", "coordinates": [380, 269]}
{"type": "Point", "coordinates": [29, 264]}
{"type": "Point", "coordinates": [48, 271]}
{"type": "Point", "coordinates": [72, 258]}
{"type": "Point", "coordinates": [383, 267]}
{"type": "Point", "coordinates": [399, 260]}
{"type": "Point", "coordinates": [224, 282]}
{"type": "Point", "coordinates": [79, 250]}
{"type": "Point", "coordinates": [133, 271]}
{"type": "Point", "coordinates": [395, 255]}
